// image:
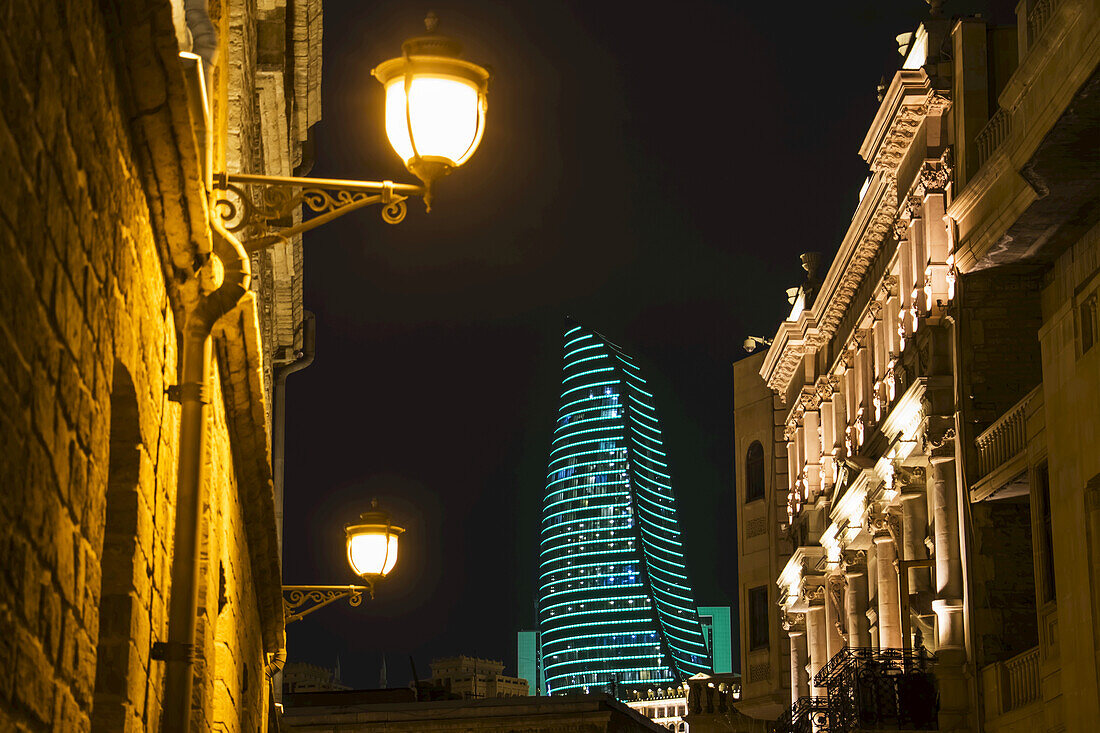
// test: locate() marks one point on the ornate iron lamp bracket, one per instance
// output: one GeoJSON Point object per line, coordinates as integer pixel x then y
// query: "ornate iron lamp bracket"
{"type": "Point", "coordinates": [297, 596]}
{"type": "Point", "coordinates": [260, 209]}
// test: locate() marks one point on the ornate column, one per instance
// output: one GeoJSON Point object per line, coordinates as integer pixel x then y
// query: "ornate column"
{"type": "Point", "coordinates": [816, 635]}
{"type": "Point", "coordinates": [883, 526]}
{"type": "Point", "coordinates": [914, 525]}
{"type": "Point", "coordinates": [948, 605]}
{"type": "Point", "coordinates": [795, 625]}
{"type": "Point", "coordinates": [857, 598]}
{"type": "Point", "coordinates": [811, 422]}
{"type": "Point", "coordinates": [836, 626]}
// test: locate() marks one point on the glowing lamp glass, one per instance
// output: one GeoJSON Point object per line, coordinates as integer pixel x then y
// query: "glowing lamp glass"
{"type": "Point", "coordinates": [444, 113]}
{"type": "Point", "coordinates": [372, 545]}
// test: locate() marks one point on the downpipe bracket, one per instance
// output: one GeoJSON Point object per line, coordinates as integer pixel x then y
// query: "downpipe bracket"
{"type": "Point", "coordinates": [187, 392]}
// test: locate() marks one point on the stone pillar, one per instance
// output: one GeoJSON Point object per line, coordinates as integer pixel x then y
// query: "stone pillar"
{"type": "Point", "coordinates": [856, 601]}
{"type": "Point", "coordinates": [800, 684]}
{"type": "Point", "coordinates": [948, 604]}
{"type": "Point", "coordinates": [914, 528]}
{"type": "Point", "coordinates": [811, 422]}
{"type": "Point", "coordinates": [835, 616]}
{"type": "Point", "coordinates": [889, 610]}
{"type": "Point", "coordinates": [816, 642]}
{"type": "Point", "coordinates": [950, 669]}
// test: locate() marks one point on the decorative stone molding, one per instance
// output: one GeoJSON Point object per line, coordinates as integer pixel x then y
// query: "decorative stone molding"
{"type": "Point", "coordinates": [813, 595]}
{"type": "Point", "coordinates": [875, 308]}
{"type": "Point", "coordinates": [836, 586]}
{"type": "Point", "coordinates": [792, 623]}
{"type": "Point", "coordinates": [854, 561]}
{"type": "Point", "coordinates": [884, 523]}
{"type": "Point", "coordinates": [904, 128]}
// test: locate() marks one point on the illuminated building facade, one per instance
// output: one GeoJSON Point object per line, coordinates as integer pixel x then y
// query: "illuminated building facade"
{"type": "Point", "coordinates": [615, 605]}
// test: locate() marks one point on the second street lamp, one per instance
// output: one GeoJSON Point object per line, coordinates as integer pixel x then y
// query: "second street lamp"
{"type": "Point", "coordinates": [372, 553]}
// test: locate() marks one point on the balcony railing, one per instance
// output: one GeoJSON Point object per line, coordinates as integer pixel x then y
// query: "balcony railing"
{"type": "Point", "coordinates": [1005, 438]}
{"type": "Point", "coordinates": [990, 137]}
{"type": "Point", "coordinates": [1012, 684]}
{"type": "Point", "coordinates": [1022, 672]}
{"type": "Point", "coordinates": [808, 715]}
{"type": "Point", "coordinates": [869, 689]}
{"type": "Point", "coordinates": [1038, 17]}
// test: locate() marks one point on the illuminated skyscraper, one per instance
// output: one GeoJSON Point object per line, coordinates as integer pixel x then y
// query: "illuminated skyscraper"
{"type": "Point", "coordinates": [615, 606]}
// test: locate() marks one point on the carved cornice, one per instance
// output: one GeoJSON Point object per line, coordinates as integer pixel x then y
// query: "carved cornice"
{"type": "Point", "coordinates": [907, 120]}
{"type": "Point", "coordinates": [911, 99]}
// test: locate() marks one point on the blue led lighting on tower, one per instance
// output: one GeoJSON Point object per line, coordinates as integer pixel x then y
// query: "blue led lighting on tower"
{"type": "Point", "coordinates": [615, 606]}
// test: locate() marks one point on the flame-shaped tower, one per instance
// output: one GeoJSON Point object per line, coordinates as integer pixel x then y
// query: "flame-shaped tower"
{"type": "Point", "coordinates": [616, 610]}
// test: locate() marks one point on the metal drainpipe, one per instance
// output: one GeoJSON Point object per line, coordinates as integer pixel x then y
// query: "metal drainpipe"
{"type": "Point", "coordinates": [278, 417]}
{"type": "Point", "coordinates": [278, 461]}
{"type": "Point", "coordinates": [194, 368]}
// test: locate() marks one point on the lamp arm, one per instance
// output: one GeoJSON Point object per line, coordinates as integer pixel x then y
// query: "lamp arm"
{"type": "Point", "coordinates": [296, 596]}
{"type": "Point", "coordinates": [264, 206]}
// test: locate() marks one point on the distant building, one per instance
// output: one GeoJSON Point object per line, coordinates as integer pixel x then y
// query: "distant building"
{"type": "Point", "coordinates": [715, 621]}
{"type": "Point", "coordinates": [704, 704]}
{"type": "Point", "coordinates": [373, 711]}
{"type": "Point", "coordinates": [527, 660]}
{"type": "Point", "coordinates": [616, 608]}
{"type": "Point", "coordinates": [664, 706]}
{"type": "Point", "coordinates": [301, 677]}
{"type": "Point", "coordinates": [470, 677]}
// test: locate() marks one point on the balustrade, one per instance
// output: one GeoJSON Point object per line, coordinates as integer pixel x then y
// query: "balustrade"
{"type": "Point", "coordinates": [1006, 437]}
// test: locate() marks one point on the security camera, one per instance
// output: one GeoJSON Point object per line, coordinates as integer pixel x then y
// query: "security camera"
{"type": "Point", "coordinates": [750, 344]}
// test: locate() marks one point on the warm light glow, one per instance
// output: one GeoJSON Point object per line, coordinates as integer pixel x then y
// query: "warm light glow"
{"type": "Point", "coordinates": [918, 52]}
{"type": "Point", "coordinates": [372, 552]}
{"type": "Point", "coordinates": [445, 114]}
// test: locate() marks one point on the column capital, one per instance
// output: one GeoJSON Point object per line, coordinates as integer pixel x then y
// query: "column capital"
{"type": "Point", "coordinates": [884, 525]}
{"type": "Point", "coordinates": [938, 439]}
{"type": "Point", "coordinates": [854, 562]}
{"type": "Point", "coordinates": [793, 623]}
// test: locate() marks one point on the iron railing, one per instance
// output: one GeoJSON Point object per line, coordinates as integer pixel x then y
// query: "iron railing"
{"type": "Point", "coordinates": [870, 689]}
{"type": "Point", "coordinates": [807, 715]}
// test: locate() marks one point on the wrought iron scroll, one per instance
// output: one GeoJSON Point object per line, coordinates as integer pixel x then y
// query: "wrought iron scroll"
{"type": "Point", "coordinates": [319, 596]}
{"type": "Point", "coordinates": [260, 209]}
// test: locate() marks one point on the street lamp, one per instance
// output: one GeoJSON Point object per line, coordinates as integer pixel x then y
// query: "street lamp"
{"type": "Point", "coordinates": [435, 119]}
{"type": "Point", "coordinates": [372, 554]}
{"type": "Point", "coordinates": [435, 105]}
{"type": "Point", "coordinates": [372, 544]}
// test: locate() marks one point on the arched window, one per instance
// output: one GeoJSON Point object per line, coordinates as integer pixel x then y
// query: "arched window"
{"type": "Point", "coordinates": [112, 707]}
{"type": "Point", "coordinates": [754, 472]}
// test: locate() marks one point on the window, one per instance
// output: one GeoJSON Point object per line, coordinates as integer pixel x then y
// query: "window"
{"type": "Point", "coordinates": [754, 472]}
{"type": "Point", "coordinates": [1088, 321]}
{"type": "Point", "coordinates": [758, 617]}
{"type": "Point", "coordinates": [1042, 477]}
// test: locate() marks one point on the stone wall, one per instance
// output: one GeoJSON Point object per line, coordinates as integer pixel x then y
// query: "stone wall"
{"type": "Point", "coordinates": [998, 356]}
{"type": "Point", "coordinates": [1002, 586]}
{"type": "Point", "coordinates": [98, 187]}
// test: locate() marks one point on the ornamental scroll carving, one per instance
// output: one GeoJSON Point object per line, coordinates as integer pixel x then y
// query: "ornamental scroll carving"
{"type": "Point", "coordinates": [836, 587]}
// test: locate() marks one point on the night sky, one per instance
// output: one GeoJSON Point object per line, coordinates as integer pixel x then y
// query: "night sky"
{"type": "Point", "coordinates": [652, 171]}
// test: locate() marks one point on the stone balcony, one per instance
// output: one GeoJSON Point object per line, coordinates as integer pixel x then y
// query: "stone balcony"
{"type": "Point", "coordinates": [1012, 693]}
{"type": "Point", "coordinates": [1031, 159]}
{"type": "Point", "coordinates": [1002, 450]}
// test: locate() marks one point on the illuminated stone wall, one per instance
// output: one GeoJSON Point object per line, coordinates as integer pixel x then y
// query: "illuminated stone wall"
{"type": "Point", "coordinates": [99, 190]}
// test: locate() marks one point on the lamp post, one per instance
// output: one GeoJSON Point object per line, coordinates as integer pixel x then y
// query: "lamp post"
{"type": "Point", "coordinates": [249, 213]}
{"type": "Point", "coordinates": [435, 118]}
{"type": "Point", "coordinates": [372, 553]}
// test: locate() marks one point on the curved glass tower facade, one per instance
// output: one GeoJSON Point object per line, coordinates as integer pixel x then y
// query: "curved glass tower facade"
{"type": "Point", "coordinates": [615, 606]}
